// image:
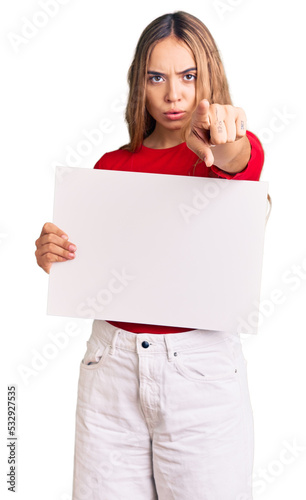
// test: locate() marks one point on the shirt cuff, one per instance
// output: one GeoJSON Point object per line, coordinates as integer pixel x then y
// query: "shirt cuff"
{"type": "Point", "coordinates": [252, 170]}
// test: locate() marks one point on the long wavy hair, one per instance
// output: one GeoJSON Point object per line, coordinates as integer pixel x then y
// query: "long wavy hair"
{"type": "Point", "coordinates": [211, 80]}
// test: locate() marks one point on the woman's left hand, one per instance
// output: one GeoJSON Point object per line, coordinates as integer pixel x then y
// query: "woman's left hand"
{"type": "Point", "coordinates": [214, 125]}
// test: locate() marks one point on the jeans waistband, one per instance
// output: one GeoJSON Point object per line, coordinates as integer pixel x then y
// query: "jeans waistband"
{"type": "Point", "coordinates": [149, 343]}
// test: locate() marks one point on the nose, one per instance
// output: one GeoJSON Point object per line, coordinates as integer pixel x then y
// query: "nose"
{"type": "Point", "coordinates": [173, 93]}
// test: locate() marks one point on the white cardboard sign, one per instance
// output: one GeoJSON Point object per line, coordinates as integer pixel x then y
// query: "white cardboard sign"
{"type": "Point", "coordinates": [159, 249]}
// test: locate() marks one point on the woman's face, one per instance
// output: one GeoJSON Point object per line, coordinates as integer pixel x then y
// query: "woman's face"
{"type": "Point", "coordinates": [171, 85]}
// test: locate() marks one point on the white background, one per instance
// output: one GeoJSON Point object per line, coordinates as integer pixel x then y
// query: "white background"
{"type": "Point", "coordinates": [59, 86]}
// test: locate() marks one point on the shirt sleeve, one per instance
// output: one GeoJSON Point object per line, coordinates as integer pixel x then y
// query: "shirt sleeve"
{"type": "Point", "coordinates": [102, 163]}
{"type": "Point", "coordinates": [254, 167]}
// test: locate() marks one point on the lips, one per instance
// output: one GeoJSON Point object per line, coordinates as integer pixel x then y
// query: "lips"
{"type": "Point", "coordinates": [174, 114]}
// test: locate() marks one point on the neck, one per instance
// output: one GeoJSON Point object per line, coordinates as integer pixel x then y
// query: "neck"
{"type": "Point", "coordinates": [160, 140]}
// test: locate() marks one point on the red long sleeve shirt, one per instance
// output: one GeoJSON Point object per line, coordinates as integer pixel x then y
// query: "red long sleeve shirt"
{"type": "Point", "coordinates": [178, 160]}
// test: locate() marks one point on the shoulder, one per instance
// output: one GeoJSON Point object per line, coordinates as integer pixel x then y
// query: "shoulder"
{"type": "Point", "coordinates": [109, 160]}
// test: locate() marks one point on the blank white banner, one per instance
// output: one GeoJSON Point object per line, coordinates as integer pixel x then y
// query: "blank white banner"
{"type": "Point", "coordinates": [159, 249]}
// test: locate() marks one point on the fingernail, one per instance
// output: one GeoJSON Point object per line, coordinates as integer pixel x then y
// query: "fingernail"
{"type": "Point", "coordinates": [64, 236]}
{"type": "Point", "coordinates": [207, 162]}
{"type": "Point", "coordinates": [72, 248]}
{"type": "Point", "coordinates": [72, 255]}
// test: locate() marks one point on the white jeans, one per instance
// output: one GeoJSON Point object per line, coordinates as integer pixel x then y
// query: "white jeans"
{"type": "Point", "coordinates": [164, 417]}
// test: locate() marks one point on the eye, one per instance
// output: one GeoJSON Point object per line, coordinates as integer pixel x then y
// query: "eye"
{"type": "Point", "coordinates": [156, 79]}
{"type": "Point", "coordinates": [189, 77]}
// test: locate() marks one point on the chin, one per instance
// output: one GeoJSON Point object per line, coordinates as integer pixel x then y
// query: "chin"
{"type": "Point", "coordinates": [175, 125]}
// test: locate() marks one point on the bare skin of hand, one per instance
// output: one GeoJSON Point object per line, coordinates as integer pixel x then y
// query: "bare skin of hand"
{"type": "Point", "coordinates": [53, 245]}
{"type": "Point", "coordinates": [217, 135]}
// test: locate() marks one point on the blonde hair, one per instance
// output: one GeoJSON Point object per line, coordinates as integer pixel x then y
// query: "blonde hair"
{"type": "Point", "coordinates": [211, 80]}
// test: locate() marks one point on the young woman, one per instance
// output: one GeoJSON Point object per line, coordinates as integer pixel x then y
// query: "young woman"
{"type": "Point", "coordinates": [164, 412]}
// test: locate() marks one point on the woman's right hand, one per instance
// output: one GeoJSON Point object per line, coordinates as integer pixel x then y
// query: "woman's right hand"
{"type": "Point", "coordinates": [53, 245]}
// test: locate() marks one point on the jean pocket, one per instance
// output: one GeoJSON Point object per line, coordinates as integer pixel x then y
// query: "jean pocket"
{"type": "Point", "coordinates": [212, 363]}
{"type": "Point", "coordinates": [95, 356]}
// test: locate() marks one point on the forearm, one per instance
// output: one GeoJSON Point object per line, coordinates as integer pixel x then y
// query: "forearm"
{"type": "Point", "coordinates": [232, 157]}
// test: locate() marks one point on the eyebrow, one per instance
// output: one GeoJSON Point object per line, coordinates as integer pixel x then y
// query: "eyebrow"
{"type": "Point", "coordinates": [158, 73]}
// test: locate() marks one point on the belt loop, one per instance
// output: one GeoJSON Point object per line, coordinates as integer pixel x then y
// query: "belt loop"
{"type": "Point", "coordinates": [169, 346]}
{"type": "Point", "coordinates": [114, 340]}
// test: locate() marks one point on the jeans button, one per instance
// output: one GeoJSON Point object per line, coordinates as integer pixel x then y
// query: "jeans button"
{"type": "Point", "coordinates": [145, 344]}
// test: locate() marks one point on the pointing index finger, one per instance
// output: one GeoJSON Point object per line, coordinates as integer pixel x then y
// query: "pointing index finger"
{"type": "Point", "coordinates": [201, 115]}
